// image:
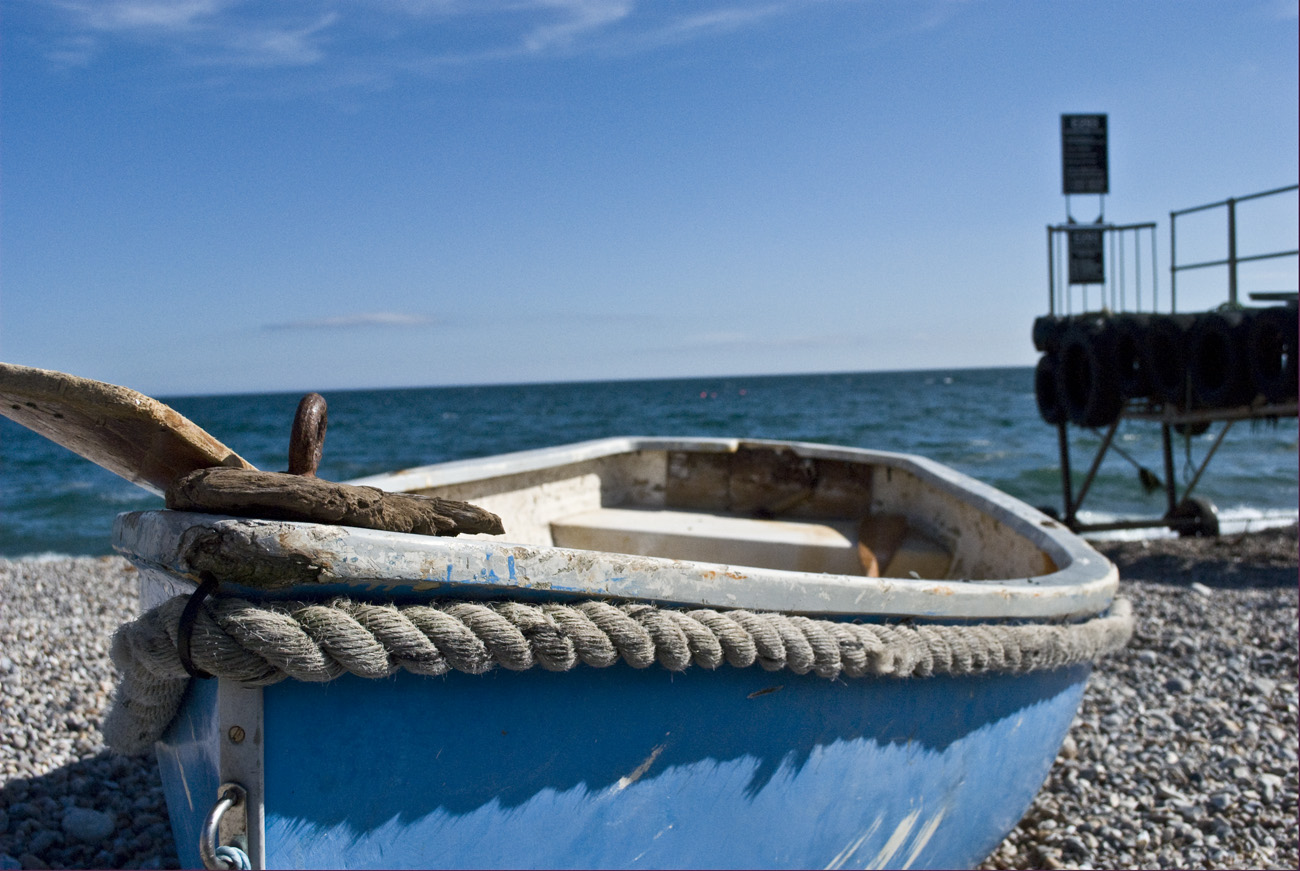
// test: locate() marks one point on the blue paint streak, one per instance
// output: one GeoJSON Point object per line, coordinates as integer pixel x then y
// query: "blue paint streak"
{"type": "Point", "coordinates": [510, 565]}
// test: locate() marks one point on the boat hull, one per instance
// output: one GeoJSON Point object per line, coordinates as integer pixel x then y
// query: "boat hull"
{"type": "Point", "coordinates": [621, 767]}
{"type": "Point", "coordinates": [624, 767]}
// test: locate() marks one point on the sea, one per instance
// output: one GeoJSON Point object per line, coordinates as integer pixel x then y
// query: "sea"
{"type": "Point", "coordinates": [982, 422]}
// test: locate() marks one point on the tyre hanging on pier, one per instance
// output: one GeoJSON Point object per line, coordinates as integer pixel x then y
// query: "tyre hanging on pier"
{"type": "Point", "coordinates": [1164, 357]}
{"type": "Point", "coordinates": [1087, 379]}
{"type": "Point", "coordinates": [1045, 391]}
{"type": "Point", "coordinates": [1217, 368]}
{"type": "Point", "coordinates": [1129, 336]}
{"type": "Point", "coordinates": [1271, 353]}
{"type": "Point", "coordinates": [1047, 332]}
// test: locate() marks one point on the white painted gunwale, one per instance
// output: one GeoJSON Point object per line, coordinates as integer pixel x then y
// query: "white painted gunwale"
{"type": "Point", "coordinates": [376, 562]}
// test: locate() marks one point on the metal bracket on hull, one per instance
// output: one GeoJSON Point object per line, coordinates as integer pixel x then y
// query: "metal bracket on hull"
{"type": "Point", "coordinates": [241, 737]}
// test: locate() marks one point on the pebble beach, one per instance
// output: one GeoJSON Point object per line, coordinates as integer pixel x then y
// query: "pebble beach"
{"type": "Point", "coordinates": [1183, 754]}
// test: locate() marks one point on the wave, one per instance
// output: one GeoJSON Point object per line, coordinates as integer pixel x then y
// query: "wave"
{"type": "Point", "coordinates": [1232, 521]}
{"type": "Point", "coordinates": [50, 556]}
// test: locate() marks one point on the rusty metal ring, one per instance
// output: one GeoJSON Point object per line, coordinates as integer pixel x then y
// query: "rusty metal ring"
{"type": "Point", "coordinates": [307, 440]}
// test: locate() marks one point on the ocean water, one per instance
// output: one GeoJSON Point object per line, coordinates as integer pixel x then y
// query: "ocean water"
{"type": "Point", "coordinates": [983, 422]}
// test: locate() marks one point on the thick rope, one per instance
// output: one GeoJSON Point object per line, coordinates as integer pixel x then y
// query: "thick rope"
{"type": "Point", "coordinates": [263, 643]}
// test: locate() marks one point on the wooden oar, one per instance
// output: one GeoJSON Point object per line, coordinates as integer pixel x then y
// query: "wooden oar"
{"type": "Point", "coordinates": [126, 432]}
{"type": "Point", "coordinates": [157, 448]}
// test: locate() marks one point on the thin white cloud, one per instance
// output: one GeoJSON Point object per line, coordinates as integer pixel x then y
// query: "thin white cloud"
{"type": "Point", "coordinates": [369, 40]}
{"type": "Point", "coordinates": [354, 321]}
{"type": "Point", "coordinates": [123, 16]}
{"type": "Point", "coordinates": [276, 46]}
{"type": "Point", "coordinates": [201, 32]}
{"type": "Point", "coordinates": [711, 22]}
{"type": "Point", "coordinates": [736, 339]}
{"type": "Point", "coordinates": [577, 18]}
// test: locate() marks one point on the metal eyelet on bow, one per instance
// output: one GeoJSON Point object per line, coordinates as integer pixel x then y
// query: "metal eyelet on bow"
{"type": "Point", "coordinates": [227, 821]}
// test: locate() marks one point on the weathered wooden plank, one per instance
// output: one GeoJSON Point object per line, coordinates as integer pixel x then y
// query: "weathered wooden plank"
{"type": "Point", "coordinates": [280, 496]}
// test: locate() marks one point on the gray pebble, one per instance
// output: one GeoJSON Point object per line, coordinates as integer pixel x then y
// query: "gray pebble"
{"type": "Point", "coordinates": [42, 841]}
{"type": "Point", "coordinates": [1221, 800]}
{"type": "Point", "coordinates": [57, 619]}
{"type": "Point", "coordinates": [88, 826]}
{"type": "Point", "coordinates": [1183, 754]}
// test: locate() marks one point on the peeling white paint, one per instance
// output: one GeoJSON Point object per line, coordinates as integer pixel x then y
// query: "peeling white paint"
{"type": "Point", "coordinates": [843, 855]}
{"type": "Point", "coordinates": [180, 770]}
{"type": "Point", "coordinates": [923, 837]}
{"type": "Point", "coordinates": [895, 842]}
{"type": "Point", "coordinates": [625, 782]}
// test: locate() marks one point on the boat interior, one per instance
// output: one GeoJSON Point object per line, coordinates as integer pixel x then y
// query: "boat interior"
{"type": "Point", "coordinates": [760, 506]}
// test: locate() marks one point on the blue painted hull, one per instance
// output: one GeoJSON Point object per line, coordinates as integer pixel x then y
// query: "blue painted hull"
{"type": "Point", "coordinates": [619, 767]}
{"type": "Point", "coordinates": [625, 768]}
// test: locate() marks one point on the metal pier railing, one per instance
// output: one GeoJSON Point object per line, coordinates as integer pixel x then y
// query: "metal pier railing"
{"type": "Point", "coordinates": [1091, 385]}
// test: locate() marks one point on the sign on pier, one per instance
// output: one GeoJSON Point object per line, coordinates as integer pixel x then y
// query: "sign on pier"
{"type": "Point", "coordinates": [1087, 263]}
{"type": "Point", "coordinates": [1084, 165]}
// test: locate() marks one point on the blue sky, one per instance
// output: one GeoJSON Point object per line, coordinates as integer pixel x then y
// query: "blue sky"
{"type": "Point", "coordinates": [207, 196]}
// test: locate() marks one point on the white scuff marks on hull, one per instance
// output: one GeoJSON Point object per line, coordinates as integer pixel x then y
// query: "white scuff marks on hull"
{"type": "Point", "coordinates": [180, 769]}
{"type": "Point", "coordinates": [895, 842]}
{"type": "Point", "coordinates": [628, 780]}
{"type": "Point", "coordinates": [842, 856]}
{"type": "Point", "coordinates": [657, 836]}
{"type": "Point", "coordinates": [923, 837]}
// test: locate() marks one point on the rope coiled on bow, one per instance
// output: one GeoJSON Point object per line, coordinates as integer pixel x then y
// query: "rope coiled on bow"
{"type": "Point", "coordinates": [261, 643]}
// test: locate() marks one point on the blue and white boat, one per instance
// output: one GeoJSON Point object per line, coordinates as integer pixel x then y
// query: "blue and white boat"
{"type": "Point", "coordinates": [925, 757]}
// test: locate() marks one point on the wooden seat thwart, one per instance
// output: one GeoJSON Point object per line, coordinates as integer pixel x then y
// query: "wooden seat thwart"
{"type": "Point", "coordinates": [832, 547]}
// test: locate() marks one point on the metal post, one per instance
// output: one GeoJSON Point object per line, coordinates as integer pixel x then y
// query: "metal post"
{"type": "Point", "coordinates": [1227, 425]}
{"type": "Point", "coordinates": [1063, 441]}
{"type": "Point", "coordinates": [1051, 275]}
{"type": "Point", "coordinates": [1096, 463]}
{"type": "Point", "coordinates": [1155, 275]}
{"type": "Point", "coordinates": [1114, 282]}
{"type": "Point", "coordinates": [1120, 266]}
{"type": "Point", "coordinates": [1173, 266]}
{"type": "Point", "coordinates": [1170, 487]}
{"type": "Point", "coordinates": [1137, 268]}
{"type": "Point", "coordinates": [1232, 251]}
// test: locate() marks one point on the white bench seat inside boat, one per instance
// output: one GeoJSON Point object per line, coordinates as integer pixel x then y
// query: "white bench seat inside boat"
{"type": "Point", "coordinates": [803, 546]}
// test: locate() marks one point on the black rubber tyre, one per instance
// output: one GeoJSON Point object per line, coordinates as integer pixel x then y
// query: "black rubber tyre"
{"type": "Point", "coordinates": [1086, 379]}
{"type": "Point", "coordinates": [1129, 335]}
{"type": "Point", "coordinates": [1049, 399]}
{"type": "Point", "coordinates": [1047, 332]}
{"type": "Point", "coordinates": [1200, 519]}
{"type": "Point", "coordinates": [1217, 368]}
{"type": "Point", "coordinates": [1164, 357]}
{"type": "Point", "coordinates": [1271, 353]}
